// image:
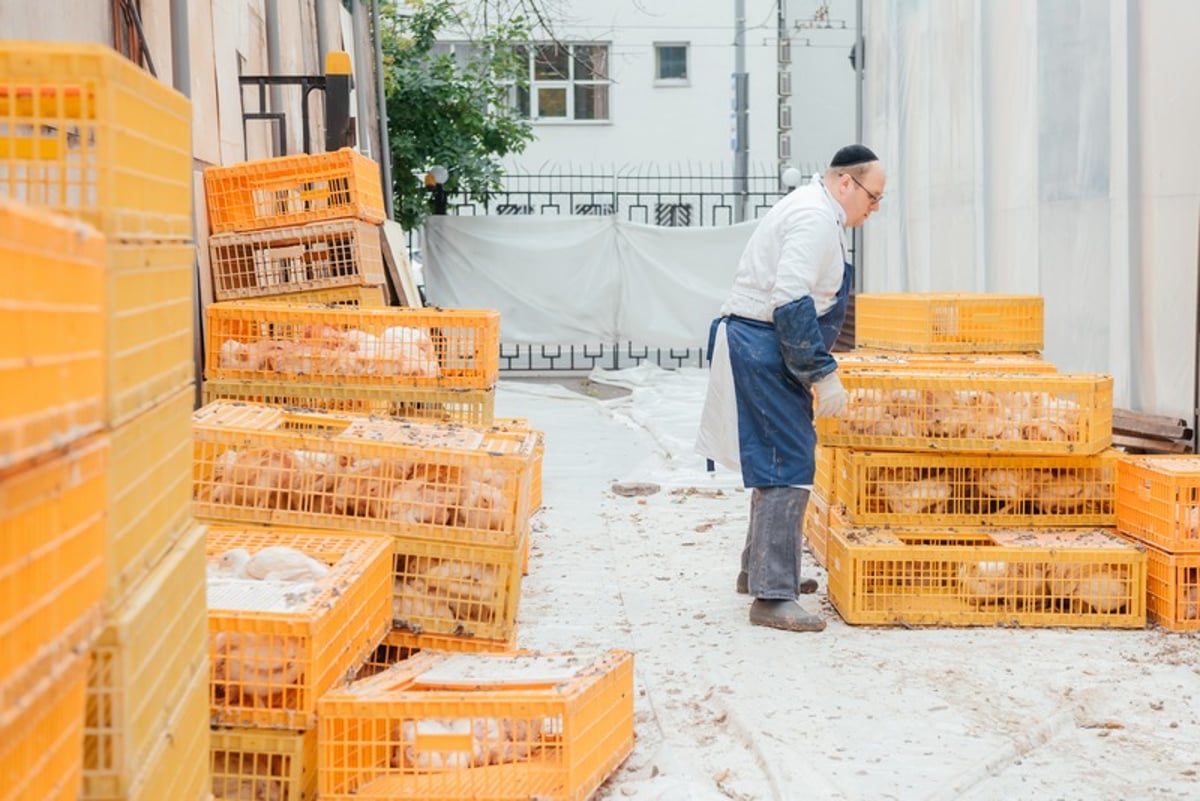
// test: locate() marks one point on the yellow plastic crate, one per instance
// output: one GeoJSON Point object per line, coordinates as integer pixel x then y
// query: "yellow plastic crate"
{"type": "Point", "coordinates": [149, 492]}
{"type": "Point", "coordinates": [178, 765]}
{"type": "Point", "coordinates": [143, 664]}
{"type": "Point", "coordinates": [1001, 363]}
{"type": "Point", "coordinates": [150, 325]}
{"type": "Point", "coordinates": [324, 255]}
{"type": "Point", "coordinates": [41, 738]}
{"type": "Point", "coordinates": [1158, 501]}
{"type": "Point", "coordinates": [465, 591]}
{"type": "Point", "coordinates": [449, 484]}
{"type": "Point", "coordinates": [52, 565]}
{"type": "Point", "coordinates": [1077, 578]}
{"type": "Point", "coordinates": [51, 332]}
{"type": "Point", "coordinates": [469, 726]}
{"type": "Point", "coordinates": [539, 451]}
{"type": "Point", "coordinates": [816, 526]}
{"type": "Point", "coordinates": [468, 406]}
{"type": "Point", "coordinates": [353, 296]}
{"type": "Point", "coordinates": [85, 131]}
{"type": "Point", "coordinates": [400, 645]}
{"type": "Point", "coordinates": [949, 322]}
{"type": "Point", "coordinates": [264, 764]}
{"type": "Point", "coordinates": [353, 347]}
{"type": "Point", "coordinates": [1047, 414]}
{"type": "Point", "coordinates": [950, 489]}
{"type": "Point", "coordinates": [271, 660]}
{"type": "Point", "coordinates": [293, 190]}
{"type": "Point", "coordinates": [825, 470]}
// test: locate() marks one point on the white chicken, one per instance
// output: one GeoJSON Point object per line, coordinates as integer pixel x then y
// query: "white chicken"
{"type": "Point", "coordinates": [410, 350]}
{"type": "Point", "coordinates": [272, 563]}
{"type": "Point", "coordinates": [254, 669]}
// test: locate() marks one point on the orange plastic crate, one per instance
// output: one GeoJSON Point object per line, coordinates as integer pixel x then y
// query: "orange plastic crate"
{"type": "Point", "coordinates": [400, 645]}
{"type": "Point", "coordinates": [1172, 587]}
{"type": "Point", "coordinates": [85, 131]}
{"type": "Point", "coordinates": [469, 726]}
{"type": "Point", "coordinates": [1158, 501]}
{"type": "Point", "coordinates": [324, 255]}
{"type": "Point", "coordinates": [41, 737]}
{"type": "Point", "coordinates": [264, 764]}
{"type": "Point", "coordinates": [982, 577]}
{"type": "Point", "coordinates": [52, 565]}
{"type": "Point", "coordinates": [353, 347]}
{"type": "Point", "coordinates": [272, 659]}
{"type": "Point", "coordinates": [371, 296]}
{"type": "Point", "coordinates": [1001, 363]}
{"type": "Point", "coordinates": [51, 332]}
{"type": "Point", "coordinates": [293, 190]}
{"type": "Point", "coordinates": [948, 322]}
{"type": "Point", "coordinates": [466, 591]}
{"type": "Point", "coordinates": [825, 470]}
{"type": "Point", "coordinates": [149, 492]}
{"type": "Point", "coordinates": [1049, 414]}
{"type": "Point", "coordinates": [816, 526]}
{"type": "Point", "coordinates": [522, 424]}
{"type": "Point", "coordinates": [469, 406]}
{"type": "Point", "coordinates": [440, 483]}
{"type": "Point", "coordinates": [144, 664]}
{"type": "Point", "coordinates": [950, 489]}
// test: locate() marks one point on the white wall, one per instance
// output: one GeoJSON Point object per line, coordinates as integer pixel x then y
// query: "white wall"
{"type": "Point", "coordinates": [56, 20]}
{"type": "Point", "coordinates": [823, 100]}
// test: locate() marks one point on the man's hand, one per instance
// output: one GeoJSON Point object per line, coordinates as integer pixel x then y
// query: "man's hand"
{"type": "Point", "coordinates": [831, 396]}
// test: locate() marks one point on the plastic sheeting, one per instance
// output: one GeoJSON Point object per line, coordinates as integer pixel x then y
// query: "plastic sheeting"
{"type": "Point", "coordinates": [574, 280]}
{"type": "Point", "coordinates": [1048, 147]}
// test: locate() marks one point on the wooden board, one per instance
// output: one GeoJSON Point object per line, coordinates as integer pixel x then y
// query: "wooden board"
{"type": "Point", "coordinates": [395, 262]}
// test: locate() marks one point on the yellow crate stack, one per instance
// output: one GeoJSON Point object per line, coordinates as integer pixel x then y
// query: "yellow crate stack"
{"type": "Point", "coordinates": [88, 134]}
{"type": "Point", "coordinates": [1158, 506]}
{"type": "Point", "coordinates": [53, 505]}
{"type": "Point", "coordinates": [968, 482]}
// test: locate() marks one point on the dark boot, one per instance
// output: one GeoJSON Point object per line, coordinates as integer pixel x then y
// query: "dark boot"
{"type": "Point", "coordinates": [807, 585]}
{"type": "Point", "coordinates": [785, 615]}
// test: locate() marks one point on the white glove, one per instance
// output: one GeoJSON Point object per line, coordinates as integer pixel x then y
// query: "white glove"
{"type": "Point", "coordinates": [831, 396]}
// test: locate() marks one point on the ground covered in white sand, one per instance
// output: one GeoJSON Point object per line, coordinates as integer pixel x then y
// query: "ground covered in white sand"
{"type": "Point", "coordinates": [725, 710]}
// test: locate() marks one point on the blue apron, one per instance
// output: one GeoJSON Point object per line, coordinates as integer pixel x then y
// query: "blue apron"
{"type": "Point", "coordinates": [776, 437]}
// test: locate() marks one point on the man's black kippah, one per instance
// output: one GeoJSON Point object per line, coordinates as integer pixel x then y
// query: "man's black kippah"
{"type": "Point", "coordinates": [850, 155]}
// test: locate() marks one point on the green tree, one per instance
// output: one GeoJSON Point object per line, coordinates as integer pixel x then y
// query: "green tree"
{"type": "Point", "coordinates": [453, 113]}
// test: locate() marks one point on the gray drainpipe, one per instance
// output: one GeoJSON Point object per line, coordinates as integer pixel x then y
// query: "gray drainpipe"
{"type": "Point", "coordinates": [385, 151]}
{"type": "Point", "coordinates": [271, 10]}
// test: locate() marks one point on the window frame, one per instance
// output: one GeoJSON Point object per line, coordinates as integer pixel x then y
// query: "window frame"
{"type": "Point", "coordinates": [687, 53]}
{"type": "Point", "coordinates": [567, 85]}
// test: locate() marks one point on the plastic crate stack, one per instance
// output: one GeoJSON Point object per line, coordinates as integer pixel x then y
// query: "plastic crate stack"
{"type": "Point", "coordinates": [1158, 506]}
{"type": "Point", "coordinates": [53, 506]}
{"type": "Point", "coordinates": [297, 229]}
{"type": "Point", "coordinates": [967, 484]}
{"type": "Point", "coordinates": [89, 135]}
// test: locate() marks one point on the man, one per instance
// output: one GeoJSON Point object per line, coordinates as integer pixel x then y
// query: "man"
{"type": "Point", "coordinates": [769, 353]}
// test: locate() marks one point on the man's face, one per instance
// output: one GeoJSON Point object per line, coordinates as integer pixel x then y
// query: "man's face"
{"type": "Point", "coordinates": [863, 195]}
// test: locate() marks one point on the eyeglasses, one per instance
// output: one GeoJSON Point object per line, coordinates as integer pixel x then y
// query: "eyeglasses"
{"type": "Point", "coordinates": [875, 199]}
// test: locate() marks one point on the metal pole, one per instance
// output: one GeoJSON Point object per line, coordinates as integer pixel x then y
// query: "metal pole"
{"type": "Point", "coordinates": [741, 103]}
{"type": "Point", "coordinates": [360, 72]}
{"type": "Point", "coordinates": [385, 149]}
{"type": "Point", "coordinates": [181, 79]}
{"type": "Point", "coordinates": [271, 11]}
{"type": "Point", "coordinates": [1196, 343]}
{"type": "Point", "coordinates": [860, 57]}
{"type": "Point", "coordinates": [322, 29]}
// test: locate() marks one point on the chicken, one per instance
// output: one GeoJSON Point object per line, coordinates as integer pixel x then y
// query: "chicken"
{"type": "Point", "coordinates": [413, 608]}
{"type": "Point", "coordinates": [926, 496]}
{"type": "Point", "coordinates": [1065, 492]}
{"type": "Point", "coordinates": [410, 350]}
{"type": "Point", "coordinates": [483, 507]}
{"type": "Point", "coordinates": [283, 563]}
{"type": "Point", "coordinates": [1002, 582]}
{"type": "Point", "coordinates": [430, 494]}
{"type": "Point", "coordinates": [364, 489]}
{"type": "Point", "coordinates": [261, 478]}
{"type": "Point", "coordinates": [472, 591]}
{"type": "Point", "coordinates": [1009, 484]}
{"type": "Point", "coordinates": [1105, 590]}
{"type": "Point", "coordinates": [253, 668]}
{"type": "Point", "coordinates": [246, 777]}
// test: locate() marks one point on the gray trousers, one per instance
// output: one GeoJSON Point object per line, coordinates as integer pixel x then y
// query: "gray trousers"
{"type": "Point", "coordinates": [771, 556]}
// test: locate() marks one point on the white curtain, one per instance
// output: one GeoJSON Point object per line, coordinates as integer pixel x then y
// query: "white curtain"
{"type": "Point", "coordinates": [568, 280]}
{"type": "Point", "coordinates": [1048, 147]}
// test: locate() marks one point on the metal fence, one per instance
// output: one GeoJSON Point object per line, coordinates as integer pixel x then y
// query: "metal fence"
{"type": "Point", "coordinates": [677, 196]}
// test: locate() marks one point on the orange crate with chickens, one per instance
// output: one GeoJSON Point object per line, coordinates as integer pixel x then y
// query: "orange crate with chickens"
{"type": "Point", "coordinates": [1158, 501]}
{"type": "Point", "coordinates": [264, 764]}
{"type": "Point", "coordinates": [949, 322]}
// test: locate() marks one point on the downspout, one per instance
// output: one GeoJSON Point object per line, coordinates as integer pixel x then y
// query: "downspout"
{"type": "Point", "coordinates": [385, 149]}
{"type": "Point", "coordinates": [322, 30]}
{"type": "Point", "coordinates": [359, 28]}
{"type": "Point", "coordinates": [271, 10]}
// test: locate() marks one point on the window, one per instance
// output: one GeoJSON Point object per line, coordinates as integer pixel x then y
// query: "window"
{"type": "Point", "coordinates": [566, 82]}
{"type": "Point", "coordinates": [670, 63]}
{"type": "Point", "coordinates": [462, 52]}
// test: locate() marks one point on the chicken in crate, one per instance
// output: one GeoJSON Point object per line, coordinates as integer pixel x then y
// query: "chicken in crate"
{"type": "Point", "coordinates": [291, 613]}
{"type": "Point", "coordinates": [353, 347]}
{"type": "Point", "coordinates": [438, 482]}
{"type": "Point", "coordinates": [507, 727]}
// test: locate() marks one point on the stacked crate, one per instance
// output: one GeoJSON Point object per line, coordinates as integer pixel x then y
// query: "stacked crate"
{"type": "Point", "coordinates": [53, 458]}
{"type": "Point", "coordinates": [970, 496]}
{"type": "Point", "coordinates": [86, 133]}
{"type": "Point", "coordinates": [1158, 506]}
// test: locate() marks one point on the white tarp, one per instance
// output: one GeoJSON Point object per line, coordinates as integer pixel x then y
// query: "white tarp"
{"type": "Point", "coordinates": [568, 280]}
{"type": "Point", "coordinates": [1048, 148]}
